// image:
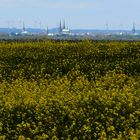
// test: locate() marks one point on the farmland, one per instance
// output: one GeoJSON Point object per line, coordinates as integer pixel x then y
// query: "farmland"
{"type": "Point", "coordinates": [69, 90]}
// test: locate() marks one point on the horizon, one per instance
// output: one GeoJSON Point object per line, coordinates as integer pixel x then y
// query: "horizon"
{"type": "Point", "coordinates": [80, 14]}
{"type": "Point", "coordinates": [55, 28]}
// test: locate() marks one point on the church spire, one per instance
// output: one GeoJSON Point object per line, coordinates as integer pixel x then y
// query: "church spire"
{"type": "Point", "coordinates": [133, 29]}
{"type": "Point", "coordinates": [47, 30]}
{"type": "Point", "coordinates": [64, 26]}
{"type": "Point", "coordinates": [23, 28]}
{"type": "Point", "coordinates": [60, 27]}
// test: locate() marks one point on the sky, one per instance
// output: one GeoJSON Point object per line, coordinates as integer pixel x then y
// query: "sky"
{"type": "Point", "coordinates": [78, 14]}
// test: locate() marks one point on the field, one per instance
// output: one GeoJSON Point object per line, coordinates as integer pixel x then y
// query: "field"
{"type": "Point", "coordinates": [82, 90]}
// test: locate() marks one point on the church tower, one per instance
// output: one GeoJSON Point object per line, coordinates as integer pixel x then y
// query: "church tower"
{"type": "Point", "coordinates": [47, 30]}
{"type": "Point", "coordinates": [60, 27]}
{"type": "Point", "coordinates": [23, 28]}
{"type": "Point", "coordinates": [64, 26]}
{"type": "Point", "coordinates": [133, 29]}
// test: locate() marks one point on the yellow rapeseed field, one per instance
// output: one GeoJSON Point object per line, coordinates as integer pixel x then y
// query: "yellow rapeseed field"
{"type": "Point", "coordinates": [62, 90]}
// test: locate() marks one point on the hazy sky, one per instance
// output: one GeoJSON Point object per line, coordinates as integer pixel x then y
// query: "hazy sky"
{"type": "Point", "coordinates": [91, 14]}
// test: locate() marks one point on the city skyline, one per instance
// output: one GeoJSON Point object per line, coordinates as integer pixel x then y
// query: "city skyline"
{"type": "Point", "coordinates": [85, 14]}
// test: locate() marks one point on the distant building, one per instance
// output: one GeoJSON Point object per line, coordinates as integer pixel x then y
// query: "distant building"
{"type": "Point", "coordinates": [63, 30]}
{"type": "Point", "coordinates": [24, 31]}
{"type": "Point", "coordinates": [47, 30]}
{"type": "Point", "coordinates": [133, 29]}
